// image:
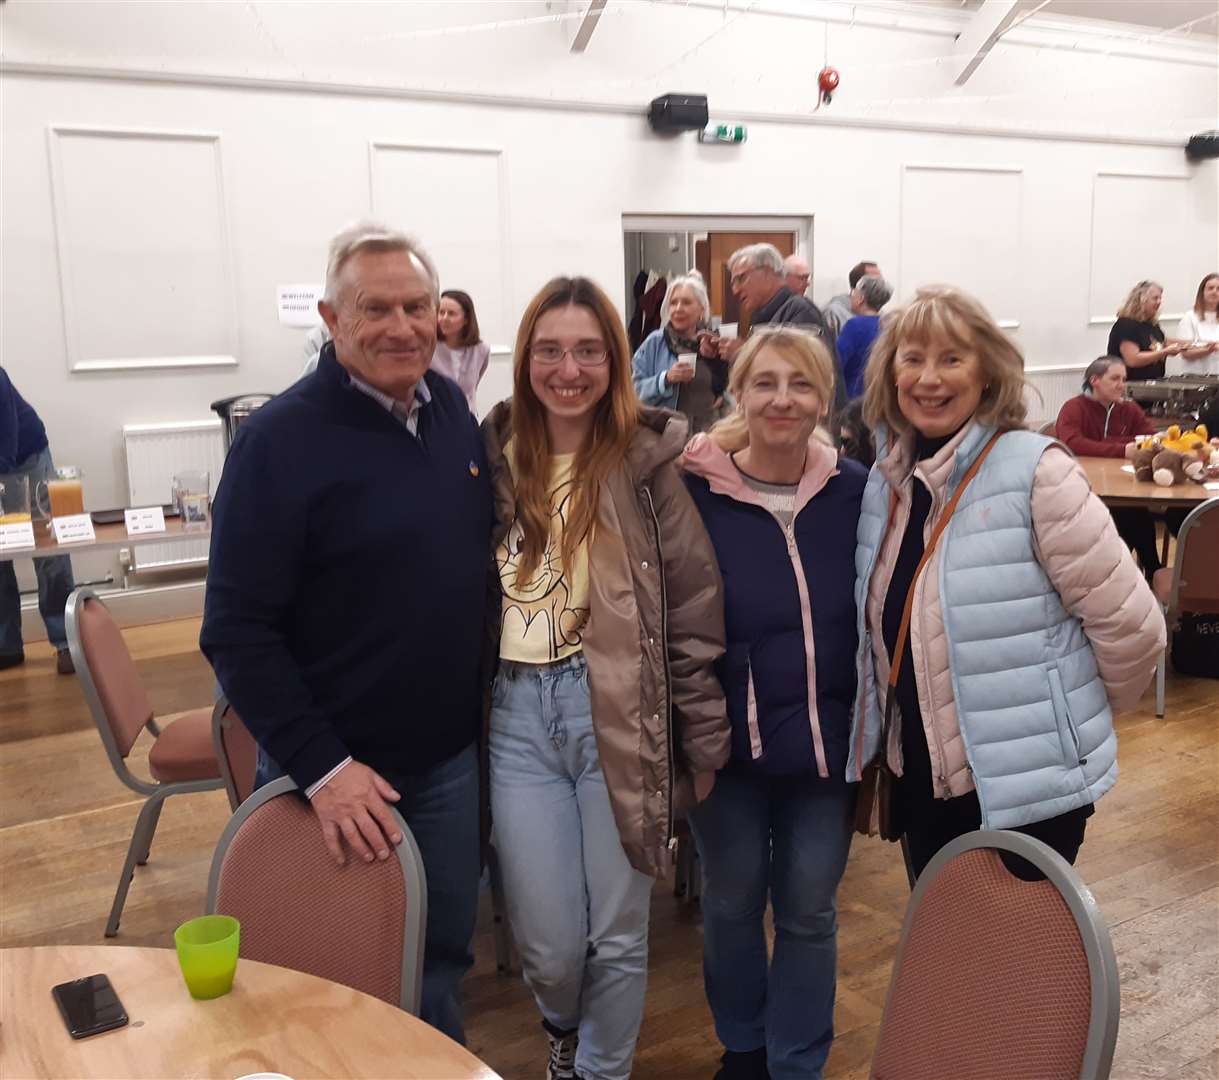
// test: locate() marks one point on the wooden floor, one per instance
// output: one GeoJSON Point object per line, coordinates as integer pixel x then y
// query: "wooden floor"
{"type": "Point", "coordinates": [1151, 858]}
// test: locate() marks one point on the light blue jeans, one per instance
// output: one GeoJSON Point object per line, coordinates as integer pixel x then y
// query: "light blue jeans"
{"type": "Point", "coordinates": [578, 909]}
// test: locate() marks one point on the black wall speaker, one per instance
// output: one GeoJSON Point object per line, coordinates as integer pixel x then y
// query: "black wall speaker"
{"type": "Point", "coordinates": [678, 112]}
{"type": "Point", "coordinates": [1203, 146]}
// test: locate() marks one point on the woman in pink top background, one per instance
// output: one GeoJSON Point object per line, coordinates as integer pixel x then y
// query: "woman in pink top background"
{"type": "Point", "coordinates": [461, 354]}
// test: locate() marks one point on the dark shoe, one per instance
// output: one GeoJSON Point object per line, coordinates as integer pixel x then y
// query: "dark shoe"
{"type": "Point", "coordinates": [562, 1063]}
{"type": "Point", "coordinates": [63, 663]}
{"type": "Point", "coordinates": [12, 659]}
{"type": "Point", "coordinates": [749, 1065]}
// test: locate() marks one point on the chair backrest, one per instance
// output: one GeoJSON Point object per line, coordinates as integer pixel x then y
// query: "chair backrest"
{"type": "Point", "coordinates": [112, 687]}
{"type": "Point", "coordinates": [1195, 585]}
{"type": "Point", "coordinates": [236, 752]}
{"type": "Point", "coordinates": [361, 924]}
{"type": "Point", "coordinates": [996, 976]}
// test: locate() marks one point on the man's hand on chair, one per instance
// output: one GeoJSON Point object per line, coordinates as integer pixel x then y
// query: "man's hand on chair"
{"type": "Point", "coordinates": [351, 807]}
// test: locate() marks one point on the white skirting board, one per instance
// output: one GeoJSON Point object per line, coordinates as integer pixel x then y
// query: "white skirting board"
{"type": "Point", "coordinates": [130, 607]}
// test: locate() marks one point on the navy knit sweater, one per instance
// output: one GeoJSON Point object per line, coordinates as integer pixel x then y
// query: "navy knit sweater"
{"type": "Point", "coordinates": [348, 577]}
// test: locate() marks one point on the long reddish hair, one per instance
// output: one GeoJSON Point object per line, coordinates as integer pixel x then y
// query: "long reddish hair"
{"type": "Point", "coordinates": [615, 418]}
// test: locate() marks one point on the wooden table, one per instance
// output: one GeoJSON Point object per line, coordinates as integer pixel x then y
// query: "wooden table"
{"type": "Point", "coordinates": [274, 1020]}
{"type": "Point", "coordinates": [1118, 488]}
{"type": "Point", "coordinates": [107, 536]}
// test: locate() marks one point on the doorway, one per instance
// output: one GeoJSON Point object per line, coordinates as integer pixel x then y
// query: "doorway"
{"type": "Point", "coordinates": [659, 247]}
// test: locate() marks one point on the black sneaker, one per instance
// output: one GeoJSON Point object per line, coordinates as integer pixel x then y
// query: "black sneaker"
{"type": "Point", "coordinates": [562, 1063]}
{"type": "Point", "coordinates": [8, 660]}
{"type": "Point", "coordinates": [748, 1065]}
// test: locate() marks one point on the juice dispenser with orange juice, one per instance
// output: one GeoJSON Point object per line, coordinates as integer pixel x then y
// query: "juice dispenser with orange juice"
{"type": "Point", "coordinates": [63, 494]}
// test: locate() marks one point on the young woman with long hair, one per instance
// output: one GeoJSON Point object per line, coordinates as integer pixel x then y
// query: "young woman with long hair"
{"type": "Point", "coordinates": [606, 718]}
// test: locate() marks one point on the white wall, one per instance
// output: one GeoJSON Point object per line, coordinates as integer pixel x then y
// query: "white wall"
{"type": "Point", "coordinates": [171, 242]}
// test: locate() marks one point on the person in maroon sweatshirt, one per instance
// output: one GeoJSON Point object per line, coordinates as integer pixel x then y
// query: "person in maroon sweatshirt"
{"type": "Point", "coordinates": [1100, 422]}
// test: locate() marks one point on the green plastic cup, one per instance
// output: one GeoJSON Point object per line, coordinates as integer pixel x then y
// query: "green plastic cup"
{"type": "Point", "coordinates": [207, 953]}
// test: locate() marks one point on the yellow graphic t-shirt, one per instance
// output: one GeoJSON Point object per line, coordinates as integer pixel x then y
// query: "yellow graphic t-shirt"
{"type": "Point", "coordinates": [543, 619]}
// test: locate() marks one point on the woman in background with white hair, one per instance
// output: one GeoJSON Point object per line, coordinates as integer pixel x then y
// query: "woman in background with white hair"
{"type": "Point", "coordinates": [697, 388]}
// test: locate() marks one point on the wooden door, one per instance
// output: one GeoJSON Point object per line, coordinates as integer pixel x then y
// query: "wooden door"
{"type": "Point", "coordinates": [722, 245]}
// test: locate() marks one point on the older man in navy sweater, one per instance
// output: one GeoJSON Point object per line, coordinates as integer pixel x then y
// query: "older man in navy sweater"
{"type": "Point", "coordinates": [347, 584]}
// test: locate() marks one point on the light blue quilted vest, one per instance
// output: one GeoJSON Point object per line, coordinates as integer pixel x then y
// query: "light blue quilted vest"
{"type": "Point", "coordinates": [1032, 708]}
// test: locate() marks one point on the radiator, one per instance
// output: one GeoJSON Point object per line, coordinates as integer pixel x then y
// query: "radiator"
{"type": "Point", "coordinates": [1054, 388]}
{"type": "Point", "coordinates": [155, 453]}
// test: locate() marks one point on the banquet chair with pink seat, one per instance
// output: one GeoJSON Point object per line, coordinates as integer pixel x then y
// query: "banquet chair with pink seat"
{"type": "Point", "coordinates": [181, 759]}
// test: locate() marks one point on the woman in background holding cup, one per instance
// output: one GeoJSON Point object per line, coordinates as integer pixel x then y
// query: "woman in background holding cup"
{"type": "Point", "coordinates": [678, 366]}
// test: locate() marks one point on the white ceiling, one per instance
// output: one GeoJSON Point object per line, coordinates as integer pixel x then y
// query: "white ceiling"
{"type": "Point", "coordinates": [1155, 14]}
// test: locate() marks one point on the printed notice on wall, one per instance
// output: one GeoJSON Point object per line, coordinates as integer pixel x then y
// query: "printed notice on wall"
{"type": "Point", "coordinates": [298, 304]}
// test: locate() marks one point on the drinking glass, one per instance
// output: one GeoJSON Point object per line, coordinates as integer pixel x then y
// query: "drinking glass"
{"type": "Point", "coordinates": [14, 499]}
{"type": "Point", "coordinates": [191, 490]}
{"type": "Point", "coordinates": [207, 953]}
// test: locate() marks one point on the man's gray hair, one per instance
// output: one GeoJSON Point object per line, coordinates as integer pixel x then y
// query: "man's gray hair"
{"type": "Point", "coordinates": [377, 237]}
{"type": "Point", "coordinates": [763, 256]}
{"type": "Point", "coordinates": [875, 291]}
{"type": "Point", "coordinates": [1099, 368]}
{"type": "Point", "coordinates": [692, 281]}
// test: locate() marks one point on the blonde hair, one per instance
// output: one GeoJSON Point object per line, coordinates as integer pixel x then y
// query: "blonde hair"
{"type": "Point", "coordinates": [944, 313]}
{"type": "Point", "coordinates": [804, 351]}
{"type": "Point", "coordinates": [1132, 306]}
{"type": "Point", "coordinates": [615, 418]}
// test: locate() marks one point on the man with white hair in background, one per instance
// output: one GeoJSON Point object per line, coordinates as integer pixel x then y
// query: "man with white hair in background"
{"type": "Point", "coordinates": [797, 275]}
{"type": "Point", "coordinates": [346, 590]}
{"type": "Point", "coordinates": [756, 277]}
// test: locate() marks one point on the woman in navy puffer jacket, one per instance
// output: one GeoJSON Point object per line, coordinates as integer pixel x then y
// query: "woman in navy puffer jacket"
{"type": "Point", "coordinates": [781, 508]}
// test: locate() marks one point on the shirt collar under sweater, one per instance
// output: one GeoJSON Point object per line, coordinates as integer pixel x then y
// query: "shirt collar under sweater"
{"type": "Point", "coordinates": [406, 415]}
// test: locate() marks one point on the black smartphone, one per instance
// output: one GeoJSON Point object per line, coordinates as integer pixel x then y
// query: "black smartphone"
{"type": "Point", "coordinates": [89, 1006]}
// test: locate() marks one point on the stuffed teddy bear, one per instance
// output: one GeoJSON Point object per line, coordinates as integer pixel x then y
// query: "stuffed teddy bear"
{"type": "Point", "coordinates": [1170, 467]}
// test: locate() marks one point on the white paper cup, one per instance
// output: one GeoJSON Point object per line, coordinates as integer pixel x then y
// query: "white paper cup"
{"type": "Point", "coordinates": [689, 359]}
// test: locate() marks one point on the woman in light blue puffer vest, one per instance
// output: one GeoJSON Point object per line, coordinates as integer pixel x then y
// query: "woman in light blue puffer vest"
{"type": "Point", "coordinates": [1030, 623]}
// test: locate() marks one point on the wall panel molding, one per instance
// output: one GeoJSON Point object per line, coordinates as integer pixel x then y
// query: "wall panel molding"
{"type": "Point", "coordinates": [499, 326]}
{"type": "Point", "coordinates": [1094, 317]}
{"type": "Point", "coordinates": [1007, 320]}
{"type": "Point", "coordinates": [73, 249]}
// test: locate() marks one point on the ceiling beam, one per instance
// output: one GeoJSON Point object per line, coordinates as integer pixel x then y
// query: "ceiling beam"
{"type": "Point", "coordinates": [592, 13]}
{"type": "Point", "coordinates": [988, 25]}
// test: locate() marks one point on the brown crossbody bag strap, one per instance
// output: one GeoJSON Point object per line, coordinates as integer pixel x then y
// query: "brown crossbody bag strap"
{"type": "Point", "coordinates": [873, 809]}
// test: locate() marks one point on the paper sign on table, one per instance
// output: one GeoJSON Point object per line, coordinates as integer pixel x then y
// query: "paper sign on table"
{"type": "Point", "coordinates": [1211, 485]}
{"type": "Point", "coordinates": [147, 519]}
{"type": "Point", "coordinates": [298, 304]}
{"type": "Point", "coordinates": [73, 528]}
{"type": "Point", "coordinates": [16, 535]}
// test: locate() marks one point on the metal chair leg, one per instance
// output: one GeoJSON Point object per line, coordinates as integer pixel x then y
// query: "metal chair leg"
{"type": "Point", "coordinates": [1160, 676]}
{"type": "Point", "coordinates": [150, 831]}
{"type": "Point", "coordinates": [141, 839]}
